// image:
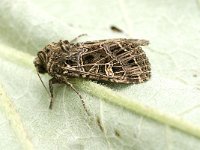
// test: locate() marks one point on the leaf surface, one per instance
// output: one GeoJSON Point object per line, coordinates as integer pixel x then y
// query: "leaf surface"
{"type": "Point", "coordinates": [162, 113]}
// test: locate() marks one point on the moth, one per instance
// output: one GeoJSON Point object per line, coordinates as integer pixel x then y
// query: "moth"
{"type": "Point", "coordinates": [113, 60]}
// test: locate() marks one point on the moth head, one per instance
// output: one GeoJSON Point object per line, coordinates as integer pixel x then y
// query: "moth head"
{"type": "Point", "coordinates": [40, 62]}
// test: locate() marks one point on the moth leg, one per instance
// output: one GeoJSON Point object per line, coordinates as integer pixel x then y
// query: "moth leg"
{"type": "Point", "coordinates": [51, 82]}
{"type": "Point", "coordinates": [71, 85]}
{"type": "Point", "coordinates": [76, 38]}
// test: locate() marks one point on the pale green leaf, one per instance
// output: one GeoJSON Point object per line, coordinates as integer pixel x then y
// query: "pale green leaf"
{"type": "Point", "coordinates": [162, 113]}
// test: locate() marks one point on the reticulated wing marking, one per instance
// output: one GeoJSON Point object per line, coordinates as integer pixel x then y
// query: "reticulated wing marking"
{"type": "Point", "coordinates": [115, 60]}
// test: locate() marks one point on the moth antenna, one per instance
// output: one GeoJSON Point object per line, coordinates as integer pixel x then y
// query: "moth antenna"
{"type": "Point", "coordinates": [76, 38]}
{"type": "Point", "coordinates": [43, 84]}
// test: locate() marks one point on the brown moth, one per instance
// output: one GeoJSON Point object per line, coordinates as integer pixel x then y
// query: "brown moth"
{"type": "Point", "coordinates": [113, 60]}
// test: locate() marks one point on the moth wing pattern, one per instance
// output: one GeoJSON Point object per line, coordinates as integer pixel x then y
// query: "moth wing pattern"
{"type": "Point", "coordinates": [114, 60]}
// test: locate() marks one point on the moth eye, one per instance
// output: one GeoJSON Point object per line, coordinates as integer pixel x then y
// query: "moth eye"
{"type": "Point", "coordinates": [41, 69]}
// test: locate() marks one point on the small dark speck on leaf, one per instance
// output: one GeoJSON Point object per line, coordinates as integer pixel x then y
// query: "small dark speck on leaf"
{"type": "Point", "coordinates": [194, 75]}
{"type": "Point", "coordinates": [117, 133]}
{"type": "Point", "coordinates": [115, 29]}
